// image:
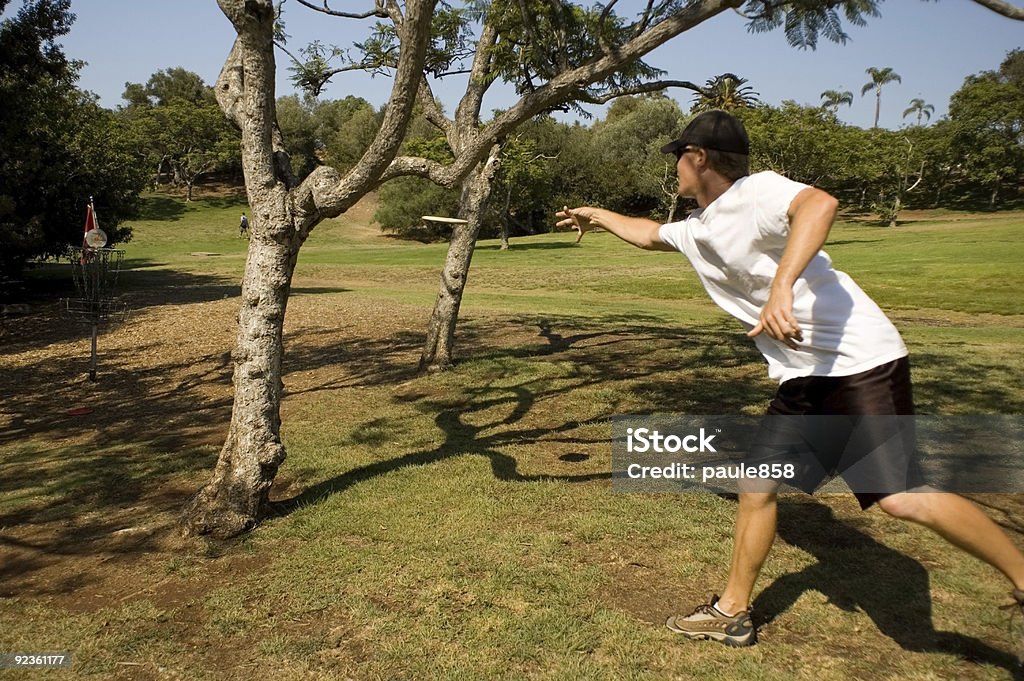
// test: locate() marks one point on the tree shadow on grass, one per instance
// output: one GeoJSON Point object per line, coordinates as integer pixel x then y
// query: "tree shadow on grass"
{"type": "Point", "coordinates": [856, 572]}
{"type": "Point", "coordinates": [599, 358]}
{"type": "Point", "coordinates": [161, 207]}
{"type": "Point", "coordinates": [149, 284]}
{"type": "Point", "coordinates": [952, 383]}
{"type": "Point", "coordinates": [171, 205]}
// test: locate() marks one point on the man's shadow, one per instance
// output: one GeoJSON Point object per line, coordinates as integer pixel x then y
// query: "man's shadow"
{"type": "Point", "coordinates": [856, 572]}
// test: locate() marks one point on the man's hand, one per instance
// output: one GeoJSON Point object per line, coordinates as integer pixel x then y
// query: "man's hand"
{"type": "Point", "coordinates": [580, 219]}
{"type": "Point", "coordinates": [777, 318]}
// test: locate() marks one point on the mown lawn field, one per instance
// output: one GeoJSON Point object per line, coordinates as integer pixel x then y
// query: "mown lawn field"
{"type": "Point", "coordinates": [462, 525]}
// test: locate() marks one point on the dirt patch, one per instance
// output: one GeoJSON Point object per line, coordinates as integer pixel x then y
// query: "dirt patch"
{"type": "Point", "coordinates": [108, 465]}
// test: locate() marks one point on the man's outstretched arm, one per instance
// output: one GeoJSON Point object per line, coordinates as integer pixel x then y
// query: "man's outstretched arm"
{"type": "Point", "coordinates": [640, 232]}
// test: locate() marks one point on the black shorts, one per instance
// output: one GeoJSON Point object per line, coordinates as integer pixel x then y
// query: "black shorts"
{"type": "Point", "coordinates": [859, 427]}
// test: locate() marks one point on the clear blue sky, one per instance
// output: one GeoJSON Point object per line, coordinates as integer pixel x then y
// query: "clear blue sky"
{"type": "Point", "coordinates": [932, 45]}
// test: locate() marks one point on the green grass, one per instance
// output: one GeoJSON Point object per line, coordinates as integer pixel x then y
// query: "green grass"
{"type": "Point", "coordinates": [434, 527]}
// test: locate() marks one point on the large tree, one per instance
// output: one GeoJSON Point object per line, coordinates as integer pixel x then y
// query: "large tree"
{"type": "Point", "coordinates": [285, 210]}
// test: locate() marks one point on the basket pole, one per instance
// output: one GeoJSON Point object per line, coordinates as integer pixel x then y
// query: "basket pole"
{"type": "Point", "coordinates": [92, 363]}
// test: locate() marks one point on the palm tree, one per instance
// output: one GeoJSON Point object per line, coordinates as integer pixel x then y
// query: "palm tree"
{"type": "Point", "coordinates": [879, 77]}
{"type": "Point", "coordinates": [834, 99]}
{"type": "Point", "coordinates": [724, 92]}
{"type": "Point", "coordinates": [919, 106]}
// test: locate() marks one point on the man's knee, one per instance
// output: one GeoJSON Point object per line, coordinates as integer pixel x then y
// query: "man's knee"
{"type": "Point", "coordinates": [906, 506]}
{"type": "Point", "coordinates": [755, 501]}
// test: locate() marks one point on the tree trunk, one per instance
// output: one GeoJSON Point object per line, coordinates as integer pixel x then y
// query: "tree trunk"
{"type": "Point", "coordinates": [505, 213]}
{"type": "Point", "coordinates": [878, 106]}
{"type": "Point", "coordinates": [993, 196]}
{"type": "Point", "coordinates": [897, 206]}
{"type": "Point", "coordinates": [476, 190]}
{"type": "Point", "coordinates": [237, 495]}
{"type": "Point", "coordinates": [504, 235]}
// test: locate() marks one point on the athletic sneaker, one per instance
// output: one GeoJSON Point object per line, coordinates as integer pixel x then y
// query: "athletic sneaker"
{"type": "Point", "coordinates": [707, 623]}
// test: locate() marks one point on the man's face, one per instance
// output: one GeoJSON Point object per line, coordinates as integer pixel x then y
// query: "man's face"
{"type": "Point", "coordinates": [687, 170]}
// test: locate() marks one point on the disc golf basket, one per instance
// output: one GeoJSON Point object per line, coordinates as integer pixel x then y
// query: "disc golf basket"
{"type": "Point", "coordinates": [95, 272]}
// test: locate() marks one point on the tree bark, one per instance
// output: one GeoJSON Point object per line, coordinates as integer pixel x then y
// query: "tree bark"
{"type": "Point", "coordinates": [237, 495]}
{"type": "Point", "coordinates": [897, 206]}
{"type": "Point", "coordinates": [440, 342]}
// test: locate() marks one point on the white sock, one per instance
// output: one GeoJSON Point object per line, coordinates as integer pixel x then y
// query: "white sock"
{"type": "Point", "coordinates": [727, 614]}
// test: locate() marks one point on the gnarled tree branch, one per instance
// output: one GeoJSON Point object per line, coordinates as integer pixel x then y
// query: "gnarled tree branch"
{"type": "Point", "coordinates": [1005, 8]}
{"type": "Point", "coordinates": [316, 194]}
{"type": "Point", "coordinates": [377, 11]}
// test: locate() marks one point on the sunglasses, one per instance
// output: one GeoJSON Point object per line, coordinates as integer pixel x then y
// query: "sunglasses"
{"type": "Point", "coordinates": [680, 152]}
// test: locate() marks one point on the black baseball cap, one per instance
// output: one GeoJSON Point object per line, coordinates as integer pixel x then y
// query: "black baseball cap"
{"type": "Point", "coordinates": [713, 130]}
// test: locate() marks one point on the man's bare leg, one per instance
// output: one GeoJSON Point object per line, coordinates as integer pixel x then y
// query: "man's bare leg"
{"type": "Point", "coordinates": [963, 525]}
{"type": "Point", "coordinates": [755, 532]}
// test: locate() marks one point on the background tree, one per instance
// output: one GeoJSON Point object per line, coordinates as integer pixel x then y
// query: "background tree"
{"type": "Point", "coordinates": [169, 85]}
{"type": "Point", "coordinates": [804, 143]}
{"type": "Point", "coordinates": [628, 155]}
{"type": "Point", "coordinates": [180, 128]}
{"type": "Point", "coordinates": [525, 183]}
{"type": "Point", "coordinates": [336, 133]}
{"type": "Point", "coordinates": [879, 78]}
{"type": "Point", "coordinates": [285, 210]}
{"type": "Point", "coordinates": [299, 131]}
{"type": "Point", "coordinates": [728, 92]}
{"type": "Point", "coordinates": [833, 99]}
{"type": "Point", "coordinates": [921, 108]}
{"type": "Point", "coordinates": [987, 128]}
{"type": "Point", "coordinates": [59, 146]}
{"type": "Point", "coordinates": [405, 200]}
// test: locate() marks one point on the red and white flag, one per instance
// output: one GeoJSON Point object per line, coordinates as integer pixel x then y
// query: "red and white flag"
{"type": "Point", "coordinates": [94, 237]}
{"type": "Point", "coordinates": [90, 223]}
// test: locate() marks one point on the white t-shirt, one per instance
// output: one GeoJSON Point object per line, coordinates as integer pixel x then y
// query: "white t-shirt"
{"type": "Point", "coordinates": [735, 245]}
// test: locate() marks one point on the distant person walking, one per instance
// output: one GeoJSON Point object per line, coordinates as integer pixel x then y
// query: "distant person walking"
{"type": "Point", "coordinates": [243, 226]}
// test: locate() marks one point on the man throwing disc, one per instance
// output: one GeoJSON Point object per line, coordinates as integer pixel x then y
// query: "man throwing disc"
{"type": "Point", "coordinates": [755, 242]}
